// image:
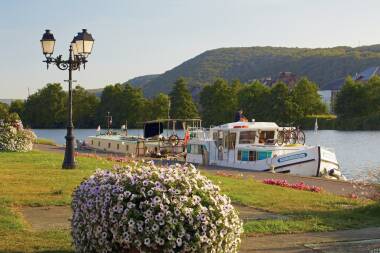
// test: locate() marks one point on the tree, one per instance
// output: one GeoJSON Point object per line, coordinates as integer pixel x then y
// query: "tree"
{"type": "Point", "coordinates": [47, 107]}
{"type": "Point", "coordinates": [218, 102]}
{"type": "Point", "coordinates": [181, 102]}
{"type": "Point", "coordinates": [159, 106]}
{"type": "Point", "coordinates": [85, 106]}
{"type": "Point", "coordinates": [305, 94]}
{"type": "Point", "coordinates": [353, 100]}
{"type": "Point", "coordinates": [283, 108]}
{"type": "Point", "coordinates": [17, 106]}
{"type": "Point", "coordinates": [254, 100]}
{"type": "Point", "coordinates": [111, 101]}
{"type": "Point", "coordinates": [124, 103]}
{"type": "Point", "coordinates": [4, 110]}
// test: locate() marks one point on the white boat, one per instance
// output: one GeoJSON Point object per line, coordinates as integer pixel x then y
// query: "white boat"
{"type": "Point", "coordinates": [152, 144]}
{"type": "Point", "coordinates": [253, 146]}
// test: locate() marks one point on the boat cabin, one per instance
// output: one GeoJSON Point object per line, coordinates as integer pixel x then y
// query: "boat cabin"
{"type": "Point", "coordinates": [234, 142]}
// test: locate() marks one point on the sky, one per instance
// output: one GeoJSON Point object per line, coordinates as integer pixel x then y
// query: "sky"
{"type": "Point", "coordinates": [139, 37]}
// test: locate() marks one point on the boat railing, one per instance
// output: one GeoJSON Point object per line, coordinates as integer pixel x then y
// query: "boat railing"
{"type": "Point", "coordinates": [200, 133]}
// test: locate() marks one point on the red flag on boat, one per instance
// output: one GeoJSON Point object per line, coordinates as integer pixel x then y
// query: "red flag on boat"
{"type": "Point", "coordinates": [187, 137]}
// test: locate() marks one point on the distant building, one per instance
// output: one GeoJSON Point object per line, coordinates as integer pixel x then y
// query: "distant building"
{"type": "Point", "coordinates": [329, 92]}
{"type": "Point", "coordinates": [7, 101]}
{"type": "Point", "coordinates": [288, 78]}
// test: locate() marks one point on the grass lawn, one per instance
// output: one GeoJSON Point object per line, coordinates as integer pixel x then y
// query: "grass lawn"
{"type": "Point", "coordinates": [36, 179]}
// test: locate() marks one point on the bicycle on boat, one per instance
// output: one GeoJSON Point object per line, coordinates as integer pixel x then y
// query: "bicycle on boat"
{"type": "Point", "coordinates": [291, 135]}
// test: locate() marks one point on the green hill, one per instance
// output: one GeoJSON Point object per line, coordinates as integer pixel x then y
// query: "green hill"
{"type": "Point", "coordinates": [321, 65]}
{"type": "Point", "coordinates": [141, 81]}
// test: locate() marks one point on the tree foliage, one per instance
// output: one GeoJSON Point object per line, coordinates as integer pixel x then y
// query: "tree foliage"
{"type": "Point", "coordinates": [17, 106]}
{"type": "Point", "coordinates": [4, 110]}
{"type": "Point", "coordinates": [358, 105]}
{"type": "Point", "coordinates": [47, 107]}
{"type": "Point", "coordinates": [159, 106]}
{"type": "Point", "coordinates": [218, 102]}
{"type": "Point", "coordinates": [125, 103]}
{"type": "Point", "coordinates": [181, 102]}
{"type": "Point", "coordinates": [305, 93]}
{"type": "Point", "coordinates": [85, 106]}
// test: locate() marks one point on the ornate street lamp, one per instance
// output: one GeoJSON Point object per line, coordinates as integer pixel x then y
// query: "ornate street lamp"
{"type": "Point", "coordinates": [80, 48]}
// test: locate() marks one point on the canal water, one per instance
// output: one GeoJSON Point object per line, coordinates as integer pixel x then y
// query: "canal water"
{"type": "Point", "coordinates": [357, 151]}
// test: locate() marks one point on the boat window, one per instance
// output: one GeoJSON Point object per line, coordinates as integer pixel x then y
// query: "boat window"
{"type": "Point", "coordinates": [261, 155]}
{"type": "Point", "coordinates": [252, 156]}
{"type": "Point", "coordinates": [246, 155]}
{"type": "Point", "coordinates": [109, 144]}
{"type": "Point", "coordinates": [118, 146]}
{"type": "Point", "coordinates": [92, 142]}
{"type": "Point", "coordinates": [231, 140]}
{"type": "Point", "coordinates": [127, 147]}
{"type": "Point", "coordinates": [266, 137]}
{"type": "Point", "coordinates": [195, 149]}
{"type": "Point", "coordinates": [98, 143]}
{"type": "Point", "coordinates": [215, 136]}
{"type": "Point", "coordinates": [247, 137]}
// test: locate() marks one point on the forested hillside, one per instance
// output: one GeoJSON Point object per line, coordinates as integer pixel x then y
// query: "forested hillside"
{"type": "Point", "coordinates": [320, 65]}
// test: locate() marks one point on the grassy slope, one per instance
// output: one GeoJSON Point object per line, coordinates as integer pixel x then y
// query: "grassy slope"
{"type": "Point", "coordinates": [35, 179]}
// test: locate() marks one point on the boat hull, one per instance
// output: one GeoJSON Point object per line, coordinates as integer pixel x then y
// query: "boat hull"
{"type": "Point", "coordinates": [306, 161]}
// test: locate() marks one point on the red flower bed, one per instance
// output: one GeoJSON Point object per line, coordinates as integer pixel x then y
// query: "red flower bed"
{"type": "Point", "coordinates": [299, 186]}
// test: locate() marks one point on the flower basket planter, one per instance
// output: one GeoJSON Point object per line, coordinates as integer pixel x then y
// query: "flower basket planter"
{"type": "Point", "coordinates": [149, 208]}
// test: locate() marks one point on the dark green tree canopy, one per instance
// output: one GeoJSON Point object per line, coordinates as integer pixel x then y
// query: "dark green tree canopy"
{"type": "Point", "coordinates": [254, 100]}
{"type": "Point", "coordinates": [218, 102]}
{"type": "Point", "coordinates": [159, 106]}
{"type": "Point", "coordinates": [305, 94]}
{"type": "Point", "coordinates": [181, 102]}
{"type": "Point", "coordinates": [4, 110]}
{"type": "Point", "coordinates": [17, 106]}
{"type": "Point", "coordinates": [85, 106]}
{"type": "Point", "coordinates": [47, 107]}
{"type": "Point", "coordinates": [125, 103]}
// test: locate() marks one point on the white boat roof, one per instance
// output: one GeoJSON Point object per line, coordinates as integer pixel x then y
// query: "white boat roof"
{"type": "Point", "coordinates": [269, 126]}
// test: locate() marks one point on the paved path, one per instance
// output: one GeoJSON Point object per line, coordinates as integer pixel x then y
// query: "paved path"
{"type": "Point", "coordinates": [361, 240]}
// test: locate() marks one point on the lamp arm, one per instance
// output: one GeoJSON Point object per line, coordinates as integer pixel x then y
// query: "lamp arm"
{"type": "Point", "coordinates": [73, 64]}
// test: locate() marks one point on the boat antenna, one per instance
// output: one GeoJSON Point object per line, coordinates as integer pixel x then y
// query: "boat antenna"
{"type": "Point", "coordinates": [109, 122]}
{"type": "Point", "coordinates": [169, 104]}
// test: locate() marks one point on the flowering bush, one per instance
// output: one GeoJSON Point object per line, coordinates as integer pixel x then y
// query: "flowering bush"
{"type": "Point", "coordinates": [298, 186]}
{"type": "Point", "coordinates": [15, 138]}
{"type": "Point", "coordinates": [149, 208]}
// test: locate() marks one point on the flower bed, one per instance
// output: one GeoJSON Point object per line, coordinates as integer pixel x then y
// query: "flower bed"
{"type": "Point", "coordinates": [15, 138]}
{"type": "Point", "coordinates": [298, 186]}
{"type": "Point", "coordinates": [148, 208]}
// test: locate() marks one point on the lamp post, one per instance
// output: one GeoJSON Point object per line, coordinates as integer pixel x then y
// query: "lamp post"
{"type": "Point", "coordinates": [80, 48]}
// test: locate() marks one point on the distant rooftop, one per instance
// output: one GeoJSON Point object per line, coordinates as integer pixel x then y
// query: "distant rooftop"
{"type": "Point", "coordinates": [365, 75]}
